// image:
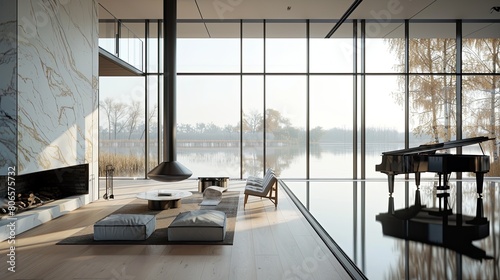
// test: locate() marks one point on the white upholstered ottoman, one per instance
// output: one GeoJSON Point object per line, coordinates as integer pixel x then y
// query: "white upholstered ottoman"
{"type": "Point", "coordinates": [125, 227]}
{"type": "Point", "coordinates": [198, 225]}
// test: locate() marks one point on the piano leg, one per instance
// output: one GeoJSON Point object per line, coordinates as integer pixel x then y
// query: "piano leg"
{"type": "Point", "coordinates": [390, 207]}
{"type": "Point", "coordinates": [445, 182]}
{"type": "Point", "coordinates": [479, 219]}
{"type": "Point", "coordinates": [391, 183]}
{"type": "Point", "coordinates": [418, 200]}
{"type": "Point", "coordinates": [479, 183]}
{"type": "Point", "coordinates": [417, 179]}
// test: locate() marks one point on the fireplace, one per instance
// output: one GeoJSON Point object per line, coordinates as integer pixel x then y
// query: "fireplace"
{"type": "Point", "coordinates": [47, 186]}
{"type": "Point", "coordinates": [170, 170]}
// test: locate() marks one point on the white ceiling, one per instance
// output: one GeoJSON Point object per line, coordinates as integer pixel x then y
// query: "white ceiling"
{"type": "Point", "coordinates": [376, 11]}
{"type": "Point", "coordinates": [306, 9]}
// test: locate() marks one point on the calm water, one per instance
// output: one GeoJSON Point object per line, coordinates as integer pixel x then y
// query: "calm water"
{"type": "Point", "coordinates": [326, 160]}
{"type": "Point", "coordinates": [348, 211]}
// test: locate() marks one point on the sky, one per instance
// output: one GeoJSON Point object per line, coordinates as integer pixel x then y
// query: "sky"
{"type": "Point", "coordinates": [215, 99]}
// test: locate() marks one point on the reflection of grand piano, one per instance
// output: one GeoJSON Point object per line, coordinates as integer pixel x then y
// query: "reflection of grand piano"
{"type": "Point", "coordinates": [425, 159]}
{"type": "Point", "coordinates": [437, 226]}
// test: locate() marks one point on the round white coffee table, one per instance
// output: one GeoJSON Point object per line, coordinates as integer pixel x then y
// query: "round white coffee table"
{"type": "Point", "coordinates": [163, 199]}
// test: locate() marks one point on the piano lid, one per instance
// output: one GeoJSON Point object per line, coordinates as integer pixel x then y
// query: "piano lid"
{"type": "Point", "coordinates": [438, 146]}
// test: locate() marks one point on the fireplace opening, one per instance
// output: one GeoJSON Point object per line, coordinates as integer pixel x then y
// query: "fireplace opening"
{"type": "Point", "coordinates": [39, 188]}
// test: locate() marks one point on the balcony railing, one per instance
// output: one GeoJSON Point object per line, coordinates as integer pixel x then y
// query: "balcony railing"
{"type": "Point", "coordinates": [116, 38]}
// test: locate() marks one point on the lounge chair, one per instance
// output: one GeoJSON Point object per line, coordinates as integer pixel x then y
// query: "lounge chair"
{"type": "Point", "coordinates": [262, 187]}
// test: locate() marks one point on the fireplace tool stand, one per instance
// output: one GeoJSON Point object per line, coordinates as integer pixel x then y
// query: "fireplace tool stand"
{"type": "Point", "coordinates": [109, 182]}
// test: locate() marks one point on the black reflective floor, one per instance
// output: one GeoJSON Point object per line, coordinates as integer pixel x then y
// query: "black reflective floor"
{"type": "Point", "coordinates": [414, 233]}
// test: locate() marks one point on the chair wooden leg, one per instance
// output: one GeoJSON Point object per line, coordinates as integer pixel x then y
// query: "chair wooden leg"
{"type": "Point", "coordinates": [245, 202]}
{"type": "Point", "coordinates": [276, 195]}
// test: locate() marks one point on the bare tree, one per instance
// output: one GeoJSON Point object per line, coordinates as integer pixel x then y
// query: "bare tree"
{"type": "Point", "coordinates": [115, 111]}
{"type": "Point", "coordinates": [106, 106]}
{"type": "Point", "coordinates": [135, 114]}
{"type": "Point", "coordinates": [252, 122]}
{"type": "Point", "coordinates": [152, 117]}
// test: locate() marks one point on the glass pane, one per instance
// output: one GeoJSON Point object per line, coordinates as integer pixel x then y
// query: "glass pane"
{"type": "Point", "coordinates": [481, 48]}
{"type": "Point", "coordinates": [432, 111]}
{"type": "Point", "coordinates": [121, 125]}
{"type": "Point", "coordinates": [107, 36]}
{"type": "Point", "coordinates": [253, 119]}
{"type": "Point", "coordinates": [481, 103]}
{"type": "Point", "coordinates": [385, 48]}
{"type": "Point", "coordinates": [285, 125]}
{"type": "Point", "coordinates": [132, 44]}
{"type": "Point", "coordinates": [161, 117]}
{"type": "Point", "coordinates": [153, 62]}
{"type": "Point", "coordinates": [253, 47]}
{"type": "Point", "coordinates": [432, 48]}
{"type": "Point", "coordinates": [152, 117]}
{"type": "Point", "coordinates": [331, 122]}
{"type": "Point", "coordinates": [333, 55]}
{"type": "Point", "coordinates": [107, 30]}
{"type": "Point", "coordinates": [286, 48]}
{"type": "Point", "coordinates": [385, 119]}
{"type": "Point", "coordinates": [209, 55]}
{"type": "Point", "coordinates": [208, 130]}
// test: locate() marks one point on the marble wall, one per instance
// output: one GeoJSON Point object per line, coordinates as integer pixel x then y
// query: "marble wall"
{"type": "Point", "coordinates": [57, 78]}
{"type": "Point", "coordinates": [8, 86]}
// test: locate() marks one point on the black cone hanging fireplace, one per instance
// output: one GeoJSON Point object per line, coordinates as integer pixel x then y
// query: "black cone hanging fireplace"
{"type": "Point", "coordinates": [170, 170]}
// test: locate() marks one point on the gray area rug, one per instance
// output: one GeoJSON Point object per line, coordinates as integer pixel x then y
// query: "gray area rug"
{"type": "Point", "coordinates": [228, 204]}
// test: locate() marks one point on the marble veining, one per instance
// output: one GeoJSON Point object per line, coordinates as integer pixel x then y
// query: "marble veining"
{"type": "Point", "coordinates": [57, 88]}
{"type": "Point", "coordinates": [8, 85]}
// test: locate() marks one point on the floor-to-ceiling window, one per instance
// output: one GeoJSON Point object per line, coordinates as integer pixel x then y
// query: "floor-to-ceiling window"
{"type": "Point", "coordinates": [122, 103]}
{"type": "Point", "coordinates": [331, 101]}
{"type": "Point", "coordinates": [153, 87]}
{"type": "Point", "coordinates": [384, 90]}
{"type": "Point", "coordinates": [121, 125]}
{"type": "Point", "coordinates": [252, 93]}
{"type": "Point", "coordinates": [286, 98]}
{"type": "Point", "coordinates": [256, 94]}
{"type": "Point", "coordinates": [208, 98]}
{"type": "Point", "coordinates": [481, 85]}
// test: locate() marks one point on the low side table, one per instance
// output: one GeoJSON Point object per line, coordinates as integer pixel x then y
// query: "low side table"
{"type": "Point", "coordinates": [205, 182]}
{"type": "Point", "coordinates": [163, 199]}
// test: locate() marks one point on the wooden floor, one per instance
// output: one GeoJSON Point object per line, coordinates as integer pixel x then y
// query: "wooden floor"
{"type": "Point", "coordinates": [269, 243]}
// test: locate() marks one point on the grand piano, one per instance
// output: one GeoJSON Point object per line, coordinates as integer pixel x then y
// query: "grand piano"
{"type": "Point", "coordinates": [425, 158]}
